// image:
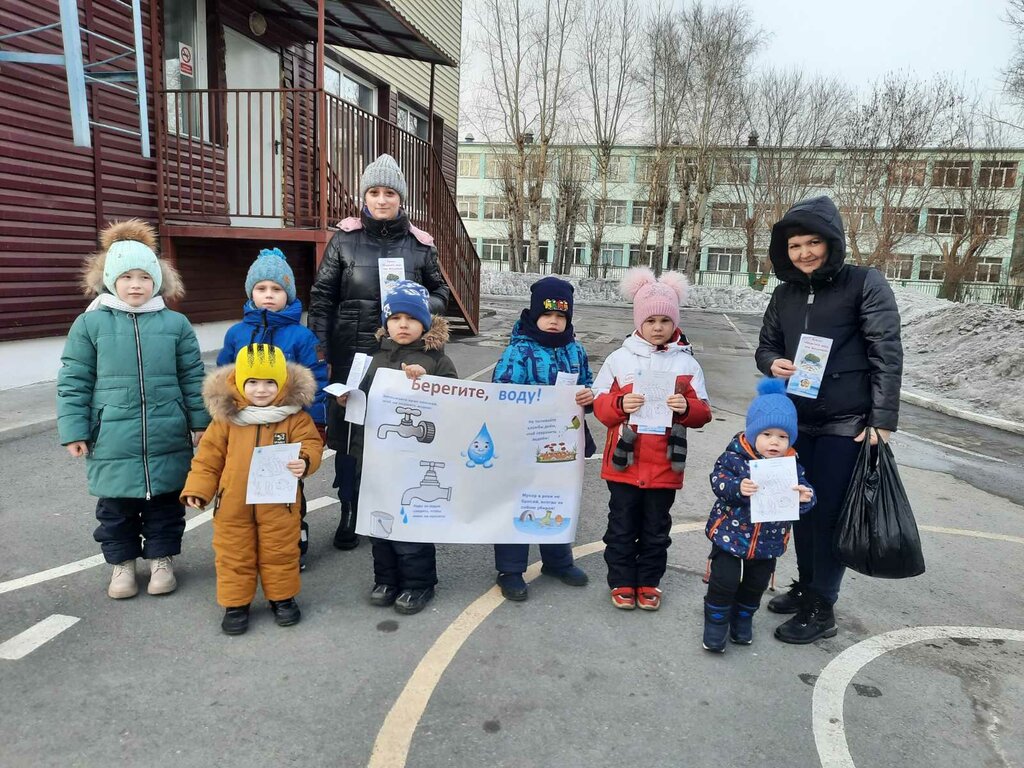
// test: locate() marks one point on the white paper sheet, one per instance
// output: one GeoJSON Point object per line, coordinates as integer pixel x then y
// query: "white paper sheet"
{"type": "Point", "coordinates": [775, 500]}
{"type": "Point", "coordinates": [566, 379]}
{"type": "Point", "coordinates": [355, 409]}
{"type": "Point", "coordinates": [270, 481]}
{"type": "Point", "coordinates": [810, 361]}
{"type": "Point", "coordinates": [389, 272]}
{"type": "Point", "coordinates": [654, 416]}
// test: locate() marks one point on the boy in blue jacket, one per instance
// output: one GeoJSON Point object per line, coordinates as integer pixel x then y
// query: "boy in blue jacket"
{"type": "Point", "coordinates": [273, 316]}
{"type": "Point", "coordinates": [543, 345]}
{"type": "Point", "coordinates": [737, 543]}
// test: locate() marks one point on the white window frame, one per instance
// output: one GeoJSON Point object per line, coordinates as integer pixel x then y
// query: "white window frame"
{"type": "Point", "coordinates": [985, 265]}
{"type": "Point", "coordinates": [342, 73]}
{"type": "Point", "coordinates": [738, 212]}
{"type": "Point", "coordinates": [411, 110]}
{"type": "Point", "coordinates": [900, 267]}
{"type": "Point", "coordinates": [200, 68]}
{"type": "Point", "coordinates": [489, 245]}
{"type": "Point", "coordinates": [470, 159]}
{"type": "Point", "coordinates": [469, 206]}
{"type": "Point", "coordinates": [734, 255]}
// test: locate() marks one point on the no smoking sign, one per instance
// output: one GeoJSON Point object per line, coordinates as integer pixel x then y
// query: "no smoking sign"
{"type": "Point", "coordinates": [185, 59]}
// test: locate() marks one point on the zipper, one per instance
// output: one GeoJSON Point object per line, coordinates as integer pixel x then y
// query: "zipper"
{"type": "Point", "coordinates": [258, 427]}
{"type": "Point", "coordinates": [753, 541]}
{"type": "Point", "coordinates": [810, 303]}
{"type": "Point", "coordinates": [142, 389]}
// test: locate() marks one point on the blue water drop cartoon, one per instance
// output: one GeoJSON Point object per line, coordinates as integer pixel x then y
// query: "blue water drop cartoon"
{"type": "Point", "coordinates": [481, 451]}
{"type": "Point", "coordinates": [405, 517]}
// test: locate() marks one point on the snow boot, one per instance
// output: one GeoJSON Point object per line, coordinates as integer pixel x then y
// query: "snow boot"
{"type": "Point", "coordinates": [741, 623]}
{"type": "Point", "coordinates": [716, 627]}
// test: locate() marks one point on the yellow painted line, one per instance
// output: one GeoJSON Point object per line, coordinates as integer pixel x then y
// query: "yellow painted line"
{"type": "Point", "coordinates": [391, 749]}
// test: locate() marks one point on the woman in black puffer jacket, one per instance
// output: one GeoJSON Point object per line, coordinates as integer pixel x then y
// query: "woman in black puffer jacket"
{"type": "Point", "coordinates": [345, 301]}
{"type": "Point", "coordinates": [854, 306]}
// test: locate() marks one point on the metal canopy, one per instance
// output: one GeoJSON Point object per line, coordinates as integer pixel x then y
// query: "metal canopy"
{"type": "Point", "coordinates": [368, 25]}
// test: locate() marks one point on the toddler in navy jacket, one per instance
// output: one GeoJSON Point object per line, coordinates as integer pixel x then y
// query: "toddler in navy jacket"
{"type": "Point", "coordinates": [740, 546]}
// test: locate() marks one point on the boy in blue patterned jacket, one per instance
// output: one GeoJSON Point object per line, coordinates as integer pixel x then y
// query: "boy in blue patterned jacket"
{"type": "Point", "coordinates": [543, 345]}
{"type": "Point", "coordinates": [737, 543]}
{"type": "Point", "coordinates": [273, 316]}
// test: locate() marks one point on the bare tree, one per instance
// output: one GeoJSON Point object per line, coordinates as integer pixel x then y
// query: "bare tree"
{"type": "Point", "coordinates": [610, 32]}
{"type": "Point", "coordinates": [569, 207]}
{"type": "Point", "coordinates": [1014, 72]}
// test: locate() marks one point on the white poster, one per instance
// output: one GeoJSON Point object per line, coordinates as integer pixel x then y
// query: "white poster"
{"type": "Point", "coordinates": [270, 480]}
{"type": "Point", "coordinates": [774, 500]}
{"type": "Point", "coordinates": [389, 272]}
{"type": "Point", "coordinates": [810, 361]}
{"type": "Point", "coordinates": [466, 462]}
{"type": "Point", "coordinates": [654, 416]}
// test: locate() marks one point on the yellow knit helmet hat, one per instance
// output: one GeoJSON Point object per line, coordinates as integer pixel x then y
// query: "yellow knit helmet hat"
{"type": "Point", "coordinates": [260, 361]}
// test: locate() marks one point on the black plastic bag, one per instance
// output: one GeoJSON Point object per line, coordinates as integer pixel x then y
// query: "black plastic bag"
{"type": "Point", "coordinates": [876, 533]}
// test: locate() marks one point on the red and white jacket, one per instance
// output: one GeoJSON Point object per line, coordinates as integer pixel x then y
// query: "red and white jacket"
{"type": "Point", "coordinates": [651, 467]}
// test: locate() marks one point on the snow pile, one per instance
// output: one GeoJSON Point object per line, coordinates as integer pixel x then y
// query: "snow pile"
{"type": "Point", "coordinates": [971, 354]}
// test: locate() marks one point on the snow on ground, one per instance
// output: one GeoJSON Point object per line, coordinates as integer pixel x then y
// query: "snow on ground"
{"type": "Point", "coordinates": [970, 354]}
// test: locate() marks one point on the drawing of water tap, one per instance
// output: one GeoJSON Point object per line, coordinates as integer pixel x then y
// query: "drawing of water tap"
{"type": "Point", "coordinates": [429, 488]}
{"type": "Point", "coordinates": [423, 431]}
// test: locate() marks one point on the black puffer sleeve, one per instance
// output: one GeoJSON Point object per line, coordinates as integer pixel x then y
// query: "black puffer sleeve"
{"type": "Point", "coordinates": [434, 282]}
{"type": "Point", "coordinates": [325, 293]}
{"type": "Point", "coordinates": [880, 327]}
{"type": "Point", "coordinates": [771, 344]}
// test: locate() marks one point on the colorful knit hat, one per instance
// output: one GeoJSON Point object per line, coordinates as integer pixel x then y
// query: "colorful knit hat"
{"type": "Point", "coordinates": [653, 295]}
{"type": "Point", "coordinates": [260, 361]}
{"type": "Point", "coordinates": [384, 172]}
{"type": "Point", "coordinates": [272, 265]}
{"type": "Point", "coordinates": [409, 297]}
{"type": "Point", "coordinates": [550, 294]}
{"type": "Point", "coordinates": [772, 408]}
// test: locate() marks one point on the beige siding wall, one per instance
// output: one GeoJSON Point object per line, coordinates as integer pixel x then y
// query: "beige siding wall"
{"type": "Point", "coordinates": [441, 22]}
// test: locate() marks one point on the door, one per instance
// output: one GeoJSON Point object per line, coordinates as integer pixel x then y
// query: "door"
{"type": "Point", "coordinates": [254, 157]}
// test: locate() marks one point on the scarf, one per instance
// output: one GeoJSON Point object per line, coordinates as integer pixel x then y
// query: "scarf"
{"type": "Point", "coordinates": [529, 327]}
{"type": "Point", "coordinates": [155, 304]}
{"type": "Point", "coordinates": [264, 414]}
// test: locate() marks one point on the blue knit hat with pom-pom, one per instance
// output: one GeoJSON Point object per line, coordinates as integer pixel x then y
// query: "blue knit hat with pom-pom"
{"type": "Point", "coordinates": [272, 265]}
{"type": "Point", "coordinates": [771, 408]}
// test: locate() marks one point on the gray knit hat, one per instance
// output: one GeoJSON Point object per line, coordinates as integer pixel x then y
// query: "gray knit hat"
{"type": "Point", "coordinates": [384, 172]}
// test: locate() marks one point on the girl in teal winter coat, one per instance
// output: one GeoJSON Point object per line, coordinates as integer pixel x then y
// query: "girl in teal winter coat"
{"type": "Point", "coordinates": [129, 399]}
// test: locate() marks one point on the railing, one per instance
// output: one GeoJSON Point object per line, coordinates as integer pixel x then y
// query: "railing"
{"type": "Point", "coordinates": [252, 157]}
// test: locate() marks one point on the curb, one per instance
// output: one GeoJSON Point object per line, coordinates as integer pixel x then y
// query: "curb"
{"type": "Point", "coordinates": [27, 429]}
{"type": "Point", "coordinates": [951, 410]}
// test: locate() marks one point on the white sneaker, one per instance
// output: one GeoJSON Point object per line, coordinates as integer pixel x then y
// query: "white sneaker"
{"type": "Point", "coordinates": [161, 576]}
{"type": "Point", "coordinates": [122, 581]}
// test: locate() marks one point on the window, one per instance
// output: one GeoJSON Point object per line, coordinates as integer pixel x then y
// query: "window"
{"type": "Point", "coordinates": [993, 222]}
{"type": "Point", "coordinates": [469, 165]}
{"type": "Point", "coordinates": [725, 260]}
{"type": "Point", "coordinates": [545, 209]}
{"type": "Point", "coordinates": [909, 173]}
{"type": "Point", "coordinates": [468, 206]}
{"type": "Point", "coordinates": [901, 221]}
{"type": "Point", "coordinates": [900, 267]}
{"type": "Point", "coordinates": [575, 167]}
{"type": "Point", "coordinates": [636, 258]}
{"type": "Point", "coordinates": [350, 88]}
{"type": "Point", "coordinates": [732, 170]}
{"type": "Point", "coordinates": [613, 254]}
{"type": "Point", "coordinates": [952, 173]}
{"type": "Point", "coordinates": [618, 168]}
{"type": "Point", "coordinates": [932, 268]}
{"type": "Point", "coordinates": [639, 211]}
{"type": "Point", "coordinates": [494, 208]}
{"type": "Point", "coordinates": [728, 215]}
{"type": "Point", "coordinates": [542, 251]}
{"type": "Point", "coordinates": [412, 121]}
{"type": "Point", "coordinates": [989, 270]}
{"type": "Point", "coordinates": [494, 250]}
{"type": "Point", "coordinates": [644, 168]}
{"type": "Point", "coordinates": [946, 221]}
{"type": "Point", "coordinates": [816, 174]}
{"type": "Point", "coordinates": [863, 173]}
{"type": "Point", "coordinates": [614, 211]}
{"type": "Point", "coordinates": [579, 251]}
{"type": "Point", "coordinates": [858, 219]}
{"type": "Point", "coordinates": [997, 174]}
{"type": "Point", "coordinates": [686, 170]}
{"type": "Point", "coordinates": [185, 22]}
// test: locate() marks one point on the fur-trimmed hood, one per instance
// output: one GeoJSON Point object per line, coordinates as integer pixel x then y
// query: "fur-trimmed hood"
{"type": "Point", "coordinates": [434, 339]}
{"type": "Point", "coordinates": [223, 400]}
{"type": "Point", "coordinates": [172, 287]}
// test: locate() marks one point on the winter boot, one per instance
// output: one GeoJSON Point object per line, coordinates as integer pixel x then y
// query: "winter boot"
{"type": "Point", "coordinates": [574, 576]}
{"type": "Point", "coordinates": [741, 623]}
{"type": "Point", "coordinates": [161, 576]}
{"type": "Point", "coordinates": [345, 536]}
{"type": "Point", "coordinates": [235, 621]}
{"type": "Point", "coordinates": [716, 627]}
{"type": "Point", "coordinates": [789, 601]}
{"type": "Point", "coordinates": [513, 586]}
{"type": "Point", "coordinates": [122, 581]}
{"type": "Point", "coordinates": [813, 621]}
{"type": "Point", "coordinates": [286, 612]}
{"type": "Point", "coordinates": [622, 455]}
{"type": "Point", "coordinates": [412, 601]}
{"type": "Point", "coordinates": [383, 595]}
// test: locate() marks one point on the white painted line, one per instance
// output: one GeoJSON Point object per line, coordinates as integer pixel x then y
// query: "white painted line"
{"type": "Point", "coordinates": [21, 645]}
{"type": "Point", "coordinates": [949, 447]}
{"type": "Point", "coordinates": [973, 534]}
{"type": "Point", "coordinates": [482, 371]}
{"type": "Point", "coordinates": [743, 338]}
{"type": "Point", "coordinates": [830, 688]}
{"type": "Point", "coordinates": [91, 562]}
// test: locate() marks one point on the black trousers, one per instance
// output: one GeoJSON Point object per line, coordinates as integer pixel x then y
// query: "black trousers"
{"type": "Point", "coordinates": [131, 528]}
{"type": "Point", "coordinates": [404, 564]}
{"type": "Point", "coordinates": [637, 539]}
{"type": "Point", "coordinates": [303, 525]}
{"type": "Point", "coordinates": [727, 586]}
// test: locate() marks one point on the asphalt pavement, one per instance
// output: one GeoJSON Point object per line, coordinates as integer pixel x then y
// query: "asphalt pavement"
{"type": "Point", "coordinates": [924, 672]}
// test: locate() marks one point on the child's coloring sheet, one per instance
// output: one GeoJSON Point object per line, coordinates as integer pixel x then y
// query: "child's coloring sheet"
{"type": "Point", "coordinates": [654, 416]}
{"type": "Point", "coordinates": [270, 481]}
{"type": "Point", "coordinates": [566, 379]}
{"type": "Point", "coordinates": [775, 500]}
